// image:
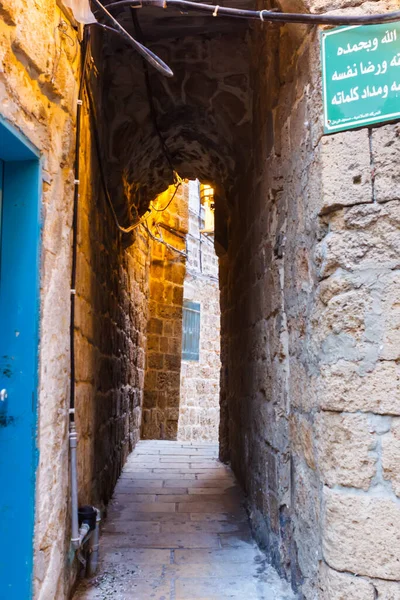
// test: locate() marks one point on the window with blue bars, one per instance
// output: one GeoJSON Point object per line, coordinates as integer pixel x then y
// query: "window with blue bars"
{"type": "Point", "coordinates": [191, 331]}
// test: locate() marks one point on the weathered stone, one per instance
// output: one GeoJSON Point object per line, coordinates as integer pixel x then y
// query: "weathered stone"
{"type": "Point", "coordinates": [345, 445]}
{"type": "Point", "coordinates": [385, 145]}
{"type": "Point", "coordinates": [343, 387]}
{"type": "Point", "coordinates": [303, 440]}
{"type": "Point", "coordinates": [387, 590]}
{"type": "Point", "coordinates": [8, 10]}
{"type": "Point", "coordinates": [162, 379]}
{"type": "Point", "coordinates": [390, 349]}
{"type": "Point", "coordinates": [343, 586]}
{"type": "Point", "coordinates": [359, 249]}
{"type": "Point", "coordinates": [391, 455]}
{"type": "Point", "coordinates": [345, 170]}
{"type": "Point", "coordinates": [360, 534]}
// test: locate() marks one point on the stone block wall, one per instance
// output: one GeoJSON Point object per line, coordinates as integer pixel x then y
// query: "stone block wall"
{"type": "Point", "coordinates": [357, 387]}
{"type": "Point", "coordinates": [112, 293]}
{"type": "Point", "coordinates": [268, 280]}
{"type": "Point", "coordinates": [310, 322]}
{"type": "Point", "coordinates": [199, 391]}
{"type": "Point", "coordinates": [164, 348]}
{"type": "Point", "coordinates": [38, 93]}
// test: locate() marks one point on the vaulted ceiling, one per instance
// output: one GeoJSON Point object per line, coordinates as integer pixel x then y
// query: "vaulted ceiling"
{"type": "Point", "coordinates": [200, 125]}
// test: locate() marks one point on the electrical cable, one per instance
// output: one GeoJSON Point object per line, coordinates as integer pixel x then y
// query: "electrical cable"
{"type": "Point", "coordinates": [170, 200]}
{"type": "Point", "coordinates": [147, 54]}
{"type": "Point", "coordinates": [75, 210]}
{"type": "Point", "coordinates": [97, 143]}
{"type": "Point", "coordinates": [174, 231]}
{"type": "Point", "coordinates": [150, 95]}
{"type": "Point", "coordinates": [262, 15]}
{"type": "Point", "coordinates": [162, 241]}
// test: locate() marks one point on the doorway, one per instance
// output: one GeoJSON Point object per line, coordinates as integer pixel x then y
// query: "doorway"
{"type": "Point", "coordinates": [19, 317]}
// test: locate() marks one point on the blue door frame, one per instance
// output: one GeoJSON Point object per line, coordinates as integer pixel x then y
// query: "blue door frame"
{"type": "Point", "coordinates": [19, 320]}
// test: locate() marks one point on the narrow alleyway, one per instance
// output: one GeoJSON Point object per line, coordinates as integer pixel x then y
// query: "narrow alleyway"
{"type": "Point", "coordinates": [177, 530]}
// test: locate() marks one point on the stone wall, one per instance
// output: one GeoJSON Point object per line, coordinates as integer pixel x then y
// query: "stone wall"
{"type": "Point", "coordinates": [199, 392]}
{"type": "Point", "coordinates": [38, 93]}
{"type": "Point", "coordinates": [112, 294]}
{"type": "Point", "coordinates": [164, 348]}
{"type": "Point", "coordinates": [310, 327]}
{"type": "Point", "coordinates": [357, 387]}
{"type": "Point", "coordinates": [38, 90]}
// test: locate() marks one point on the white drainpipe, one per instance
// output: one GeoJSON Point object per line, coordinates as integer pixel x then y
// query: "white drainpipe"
{"type": "Point", "coordinates": [73, 442]}
{"type": "Point", "coordinates": [94, 547]}
{"type": "Point", "coordinates": [79, 535]}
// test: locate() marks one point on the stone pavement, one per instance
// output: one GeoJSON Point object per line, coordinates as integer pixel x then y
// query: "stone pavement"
{"type": "Point", "coordinates": [176, 530]}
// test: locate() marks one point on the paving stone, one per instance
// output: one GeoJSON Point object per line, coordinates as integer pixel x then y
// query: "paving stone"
{"type": "Point", "coordinates": [194, 483]}
{"type": "Point", "coordinates": [211, 483]}
{"type": "Point", "coordinates": [163, 491]}
{"type": "Point", "coordinates": [174, 465]}
{"type": "Point", "coordinates": [134, 498]}
{"type": "Point", "coordinates": [216, 475]}
{"type": "Point", "coordinates": [203, 526]}
{"type": "Point", "coordinates": [204, 491]}
{"type": "Point", "coordinates": [129, 514]}
{"type": "Point", "coordinates": [165, 540]}
{"type": "Point", "coordinates": [193, 470]}
{"type": "Point", "coordinates": [237, 540]}
{"type": "Point", "coordinates": [218, 516]}
{"type": "Point", "coordinates": [178, 532]}
{"type": "Point", "coordinates": [135, 527]}
{"type": "Point", "coordinates": [190, 498]}
{"type": "Point", "coordinates": [147, 484]}
{"type": "Point", "coordinates": [131, 589]}
{"type": "Point", "coordinates": [136, 556]}
{"type": "Point", "coordinates": [213, 569]}
{"type": "Point", "coordinates": [227, 555]}
{"type": "Point", "coordinates": [217, 588]}
{"type": "Point", "coordinates": [198, 507]}
{"type": "Point", "coordinates": [137, 475]}
{"type": "Point", "coordinates": [159, 507]}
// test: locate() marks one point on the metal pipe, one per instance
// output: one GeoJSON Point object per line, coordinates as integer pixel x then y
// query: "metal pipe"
{"type": "Point", "coordinates": [84, 534]}
{"type": "Point", "coordinates": [93, 559]}
{"type": "Point", "coordinates": [73, 442]}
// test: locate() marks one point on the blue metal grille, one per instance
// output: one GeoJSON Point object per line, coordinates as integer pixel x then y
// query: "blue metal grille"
{"type": "Point", "coordinates": [190, 330]}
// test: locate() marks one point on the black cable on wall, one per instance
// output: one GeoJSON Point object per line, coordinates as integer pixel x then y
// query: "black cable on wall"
{"type": "Point", "coordinates": [272, 16]}
{"type": "Point", "coordinates": [75, 213]}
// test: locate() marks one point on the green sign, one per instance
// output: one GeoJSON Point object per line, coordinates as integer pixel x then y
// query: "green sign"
{"type": "Point", "coordinates": [360, 75]}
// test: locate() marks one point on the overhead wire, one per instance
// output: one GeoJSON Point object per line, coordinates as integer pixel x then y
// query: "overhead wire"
{"type": "Point", "coordinates": [170, 200]}
{"type": "Point", "coordinates": [153, 114]}
{"type": "Point", "coordinates": [150, 97]}
{"type": "Point", "coordinates": [147, 54]}
{"type": "Point", "coordinates": [97, 143]}
{"type": "Point", "coordinates": [161, 240]}
{"type": "Point", "coordinates": [75, 211]}
{"type": "Point", "coordinates": [272, 16]}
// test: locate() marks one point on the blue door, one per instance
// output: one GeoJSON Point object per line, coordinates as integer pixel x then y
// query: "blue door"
{"type": "Point", "coordinates": [19, 289]}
